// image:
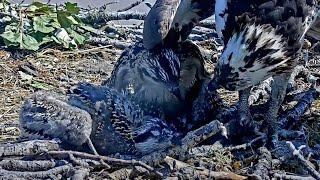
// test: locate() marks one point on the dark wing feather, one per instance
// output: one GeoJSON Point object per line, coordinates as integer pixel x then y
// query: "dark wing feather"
{"type": "Point", "coordinates": [171, 21]}
{"type": "Point", "coordinates": [292, 18]}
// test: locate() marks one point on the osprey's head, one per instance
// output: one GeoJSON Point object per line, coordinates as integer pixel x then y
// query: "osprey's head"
{"type": "Point", "coordinates": [253, 53]}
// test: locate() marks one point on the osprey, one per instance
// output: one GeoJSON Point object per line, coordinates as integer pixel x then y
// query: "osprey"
{"type": "Point", "coordinates": [165, 73]}
{"type": "Point", "coordinates": [262, 39]}
{"type": "Point", "coordinates": [98, 116]}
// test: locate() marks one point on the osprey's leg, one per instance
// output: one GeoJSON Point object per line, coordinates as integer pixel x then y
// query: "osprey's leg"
{"type": "Point", "coordinates": [243, 106]}
{"type": "Point", "coordinates": [278, 93]}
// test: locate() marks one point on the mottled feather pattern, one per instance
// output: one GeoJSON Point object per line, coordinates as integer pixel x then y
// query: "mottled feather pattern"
{"type": "Point", "coordinates": [47, 115]}
{"type": "Point", "coordinates": [262, 39]}
{"type": "Point", "coordinates": [163, 82]}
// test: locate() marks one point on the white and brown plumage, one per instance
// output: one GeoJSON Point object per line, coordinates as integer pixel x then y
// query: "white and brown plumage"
{"type": "Point", "coordinates": [262, 39]}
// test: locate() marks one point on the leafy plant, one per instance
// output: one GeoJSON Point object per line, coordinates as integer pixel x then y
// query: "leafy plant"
{"type": "Point", "coordinates": [32, 26]}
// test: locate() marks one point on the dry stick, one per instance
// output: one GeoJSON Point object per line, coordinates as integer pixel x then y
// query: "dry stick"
{"type": "Point", "coordinates": [192, 139]}
{"type": "Point", "coordinates": [28, 148]}
{"type": "Point", "coordinates": [108, 41]}
{"type": "Point", "coordinates": [307, 164]}
{"type": "Point", "coordinates": [263, 89]}
{"type": "Point", "coordinates": [186, 169]}
{"type": "Point", "coordinates": [291, 177]}
{"type": "Point", "coordinates": [80, 173]}
{"type": "Point", "coordinates": [131, 6]}
{"type": "Point", "coordinates": [114, 161]}
{"type": "Point", "coordinates": [123, 173]}
{"type": "Point", "coordinates": [21, 165]}
{"type": "Point", "coordinates": [264, 165]}
{"type": "Point", "coordinates": [97, 17]}
{"type": "Point", "coordinates": [64, 170]}
{"type": "Point", "coordinates": [294, 114]}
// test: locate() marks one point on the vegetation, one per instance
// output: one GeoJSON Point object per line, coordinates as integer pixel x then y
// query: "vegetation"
{"type": "Point", "coordinates": [32, 26]}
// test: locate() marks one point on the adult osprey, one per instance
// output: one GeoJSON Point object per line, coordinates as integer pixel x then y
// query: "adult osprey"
{"type": "Point", "coordinates": [262, 39]}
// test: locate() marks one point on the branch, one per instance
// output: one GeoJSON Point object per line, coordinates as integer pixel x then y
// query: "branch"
{"type": "Point", "coordinates": [131, 6]}
{"type": "Point", "coordinates": [264, 165]}
{"type": "Point", "coordinates": [108, 41]}
{"type": "Point", "coordinates": [111, 161]}
{"type": "Point", "coordinates": [65, 171]}
{"type": "Point", "coordinates": [307, 164]}
{"type": "Point", "coordinates": [262, 90]}
{"type": "Point", "coordinates": [101, 17]}
{"type": "Point", "coordinates": [189, 172]}
{"type": "Point", "coordinates": [291, 177]}
{"type": "Point", "coordinates": [294, 114]}
{"type": "Point", "coordinates": [20, 165]}
{"type": "Point", "coordinates": [28, 148]}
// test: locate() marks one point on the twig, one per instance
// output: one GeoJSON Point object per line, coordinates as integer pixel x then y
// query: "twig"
{"type": "Point", "coordinates": [291, 177]}
{"type": "Point", "coordinates": [80, 173]}
{"type": "Point", "coordinates": [65, 171]}
{"type": "Point", "coordinates": [264, 165]}
{"type": "Point", "coordinates": [303, 161]}
{"type": "Point", "coordinates": [108, 41]}
{"type": "Point", "coordinates": [28, 148]}
{"type": "Point", "coordinates": [262, 90]}
{"type": "Point", "coordinates": [192, 172]}
{"type": "Point", "coordinates": [98, 17]}
{"type": "Point", "coordinates": [131, 6]}
{"type": "Point", "coordinates": [293, 115]}
{"type": "Point", "coordinates": [113, 161]}
{"type": "Point", "coordinates": [20, 165]}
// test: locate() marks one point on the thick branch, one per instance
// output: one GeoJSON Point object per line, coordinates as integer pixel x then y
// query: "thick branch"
{"type": "Point", "coordinates": [137, 3]}
{"type": "Point", "coordinates": [307, 164]}
{"type": "Point", "coordinates": [65, 171]}
{"type": "Point", "coordinates": [28, 148]}
{"type": "Point", "coordinates": [98, 17]}
{"type": "Point", "coordinates": [108, 41]}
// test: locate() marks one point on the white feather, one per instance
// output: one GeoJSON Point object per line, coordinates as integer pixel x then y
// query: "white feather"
{"type": "Point", "coordinates": [239, 51]}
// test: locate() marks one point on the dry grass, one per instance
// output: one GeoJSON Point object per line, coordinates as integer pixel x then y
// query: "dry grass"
{"type": "Point", "coordinates": [55, 70]}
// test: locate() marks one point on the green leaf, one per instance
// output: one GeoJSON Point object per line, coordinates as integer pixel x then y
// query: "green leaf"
{"type": "Point", "coordinates": [11, 38]}
{"type": "Point", "coordinates": [72, 20]}
{"type": "Point", "coordinates": [72, 8]}
{"type": "Point", "coordinates": [77, 37]}
{"type": "Point", "coordinates": [42, 38]}
{"type": "Point", "coordinates": [62, 19]}
{"type": "Point", "coordinates": [42, 24]}
{"type": "Point", "coordinates": [29, 42]}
